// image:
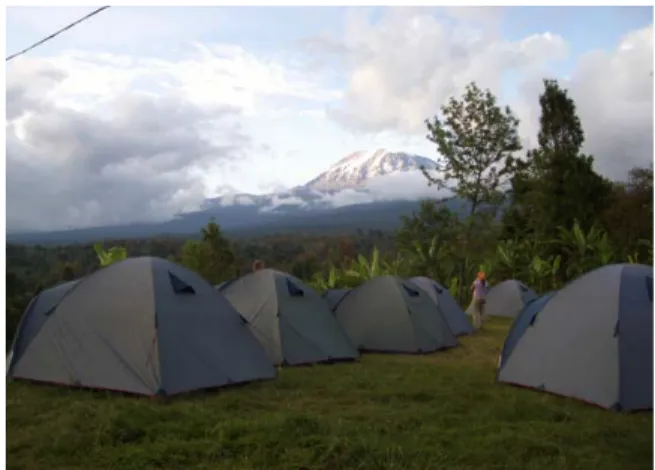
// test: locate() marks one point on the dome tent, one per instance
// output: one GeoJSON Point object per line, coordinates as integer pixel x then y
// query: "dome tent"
{"type": "Point", "coordinates": [522, 321]}
{"type": "Point", "coordinates": [389, 314]}
{"type": "Point", "coordinates": [289, 318]}
{"type": "Point", "coordinates": [450, 310]}
{"type": "Point", "coordinates": [506, 299]}
{"type": "Point", "coordinates": [333, 296]}
{"type": "Point", "coordinates": [591, 340]}
{"type": "Point", "coordinates": [143, 325]}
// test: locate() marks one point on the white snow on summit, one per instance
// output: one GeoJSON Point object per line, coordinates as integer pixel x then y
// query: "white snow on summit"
{"type": "Point", "coordinates": [359, 178]}
{"type": "Point", "coordinates": [353, 170]}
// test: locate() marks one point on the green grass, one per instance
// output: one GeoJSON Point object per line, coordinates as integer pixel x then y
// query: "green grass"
{"type": "Point", "coordinates": [441, 411]}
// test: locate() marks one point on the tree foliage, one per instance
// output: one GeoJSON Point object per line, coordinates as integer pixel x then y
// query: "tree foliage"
{"type": "Point", "coordinates": [476, 140]}
{"type": "Point", "coordinates": [556, 188]}
{"type": "Point", "coordinates": [628, 218]}
{"type": "Point", "coordinates": [211, 256]}
{"type": "Point", "coordinates": [429, 239]}
{"type": "Point", "coordinates": [556, 185]}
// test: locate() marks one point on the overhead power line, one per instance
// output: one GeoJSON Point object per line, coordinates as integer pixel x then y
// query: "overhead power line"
{"type": "Point", "coordinates": [65, 28]}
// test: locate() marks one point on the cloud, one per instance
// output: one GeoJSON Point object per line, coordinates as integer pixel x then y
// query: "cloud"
{"type": "Point", "coordinates": [96, 137]}
{"type": "Point", "coordinates": [87, 159]}
{"type": "Point", "coordinates": [101, 138]}
{"type": "Point", "coordinates": [280, 201]}
{"type": "Point", "coordinates": [391, 89]}
{"type": "Point", "coordinates": [613, 93]}
{"type": "Point", "coordinates": [229, 73]}
{"type": "Point", "coordinates": [405, 185]}
{"type": "Point", "coordinates": [73, 168]}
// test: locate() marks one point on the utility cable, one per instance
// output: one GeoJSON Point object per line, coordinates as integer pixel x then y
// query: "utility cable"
{"type": "Point", "coordinates": [84, 18]}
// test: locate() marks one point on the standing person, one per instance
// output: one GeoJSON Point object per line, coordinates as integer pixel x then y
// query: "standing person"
{"type": "Point", "coordinates": [479, 291]}
{"type": "Point", "coordinates": [257, 265]}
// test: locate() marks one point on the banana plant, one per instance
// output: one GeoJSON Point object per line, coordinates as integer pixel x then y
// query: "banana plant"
{"type": "Point", "coordinates": [395, 267]}
{"type": "Point", "coordinates": [634, 258]}
{"type": "Point", "coordinates": [555, 263]}
{"type": "Point", "coordinates": [421, 253]}
{"type": "Point", "coordinates": [322, 283]}
{"type": "Point", "coordinates": [508, 255]}
{"type": "Point", "coordinates": [603, 249]}
{"type": "Point", "coordinates": [113, 255]}
{"type": "Point", "coordinates": [424, 258]}
{"type": "Point", "coordinates": [361, 269]}
{"type": "Point", "coordinates": [574, 241]}
{"type": "Point", "coordinates": [539, 271]}
{"type": "Point", "coordinates": [454, 287]}
{"type": "Point", "coordinates": [586, 250]}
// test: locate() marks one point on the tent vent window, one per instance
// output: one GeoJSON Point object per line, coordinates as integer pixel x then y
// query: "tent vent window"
{"type": "Point", "coordinates": [179, 286]}
{"type": "Point", "coordinates": [410, 292]}
{"type": "Point", "coordinates": [294, 290]}
{"type": "Point", "coordinates": [649, 287]}
{"type": "Point", "coordinates": [438, 289]}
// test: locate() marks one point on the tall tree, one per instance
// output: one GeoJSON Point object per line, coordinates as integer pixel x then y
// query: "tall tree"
{"type": "Point", "coordinates": [429, 238]}
{"type": "Point", "coordinates": [556, 185]}
{"type": "Point", "coordinates": [629, 217]}
{"type": "Point", "coordinates": [211, 257]}
{"type": "Point", "coordinates": [476, 140]}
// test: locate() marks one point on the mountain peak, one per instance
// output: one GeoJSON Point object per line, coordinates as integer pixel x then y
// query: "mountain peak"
{"type": "Point", "coordinates": [361, 155]}
{"type": "Point", "coordinates": [355, 169]}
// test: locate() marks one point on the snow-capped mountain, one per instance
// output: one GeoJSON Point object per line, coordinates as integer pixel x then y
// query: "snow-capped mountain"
{"type": "Point", "coordinates": [364, 190]}
{"type": "Point", "coordinates": [359, 178]}
{"type": "Point", "coordinates": [354, 170]}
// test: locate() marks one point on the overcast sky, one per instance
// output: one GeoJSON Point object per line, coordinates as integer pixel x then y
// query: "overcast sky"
{"type": "Point", "coordinates": [140, 113]}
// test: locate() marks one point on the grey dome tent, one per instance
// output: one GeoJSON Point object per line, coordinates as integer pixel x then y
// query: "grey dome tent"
{"type": "Point", "coordinates": [143, 325]}
{"type": "Point", "coordinates": [507, 299]}
{"type": "Point", "coordinates": [389, 314]}
{"type": "Point", "coordinates": [289, 318]}
{"type": "Point", "coordinates": [333, 296]}
{"type": "Point", "coordinates": [450, 310]}
{"type": "Point", "coordinates": [591, 340]}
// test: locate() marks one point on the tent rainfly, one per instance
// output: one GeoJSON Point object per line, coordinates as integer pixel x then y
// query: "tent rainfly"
{"type": "Point", "coordinates": [290, 319]}
{"type": "Point", "coordinates": [389, 314]}
{"type": "Point", "coordinates": [591, 340]}
{"type": "Point", "coordinates": [506, 299]}
{"type": "Point", "coordinates": [144, 326]}
{"type": "Point", "coordinates": [450, 310]}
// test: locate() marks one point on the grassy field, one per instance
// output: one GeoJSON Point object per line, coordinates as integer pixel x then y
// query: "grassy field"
{"type": "Point", "coordinates": [441, 411]}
